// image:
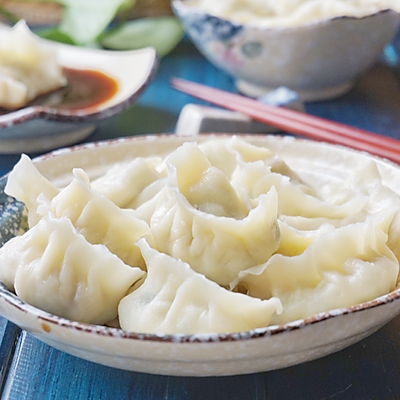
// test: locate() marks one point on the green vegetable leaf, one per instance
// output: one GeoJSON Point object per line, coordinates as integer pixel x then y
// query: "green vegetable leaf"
{"type": "Point", "coordinates": [83, 21]}
{"type": "Point", "coordinates": [8, 15]}
{"type": "Point", "coordinates": [127, 5]}
{"type": "Point", "coordinates": [54, 34]}
{"type": "Point", "coordinates": [162, 33]}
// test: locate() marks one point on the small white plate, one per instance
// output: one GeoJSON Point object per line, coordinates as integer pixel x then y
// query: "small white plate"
{"type": "Point", "coordinates": [262, 349]}
{"type": "Point", "coordinates": [39, 128]}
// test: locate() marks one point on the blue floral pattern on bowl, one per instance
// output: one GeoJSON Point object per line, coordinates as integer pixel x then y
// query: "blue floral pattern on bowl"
{"type": "Point", "coordinates": [205, 27]}
{"type": "Point", "coordinates": [214, 37]}
{"type": "Point", "coordinates": [318, 61]}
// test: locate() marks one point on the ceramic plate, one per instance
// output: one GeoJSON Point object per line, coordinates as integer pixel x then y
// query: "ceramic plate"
{"type": "Point", "coordinates": [262, 349]}
{"type": "Point", "coordinates": [40, 127]}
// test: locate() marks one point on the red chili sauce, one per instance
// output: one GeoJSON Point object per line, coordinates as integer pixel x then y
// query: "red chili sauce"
{"type": "Point", "coordinates": [85, 89]}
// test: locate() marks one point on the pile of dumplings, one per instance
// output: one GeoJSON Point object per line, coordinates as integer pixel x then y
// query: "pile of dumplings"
{"type": "Point", "coordinates": [217, 237]}
{"type": "Point", "coordinates": [291, 13]}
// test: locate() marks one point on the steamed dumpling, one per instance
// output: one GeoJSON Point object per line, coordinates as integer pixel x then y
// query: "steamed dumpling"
{"type": "Point", "coordinates": [296, 241]}
{"type": "Point", "coordinates": [227, 154]}
{"type": "Point", "coordinates": [124, 182]}
{"type": "Point", "coordinates": [26, 183]}
{"type": "Point", "coordinates": [28, 67]}
{"type": "Point", "coordinates": [12, 92]}
{"type": "Point", "coordinates": [341, 268]}
{"type": "Point", "coordinates": [294, 198]}
{"type": "Point", "coordinates": [56, 269]}
{"type": "Point", "coordinates": [229, 232]}
{"type": "Point", "coordinates": [198, 218]}
{"type": "Point", "coordinates": [380, 204]}
{"type": "Point", "coordinates": [175, 299]}
{"type": "Point", "coordinates": [219, 155]}
{"type": "Point", "coordinates": [217, 247]}
{"type": "Point", "coordinates": [99, 219]}
{"type": "Point", "coordinates": [94, 215]}
{"type": "Point", "coordinates": [203, 185]}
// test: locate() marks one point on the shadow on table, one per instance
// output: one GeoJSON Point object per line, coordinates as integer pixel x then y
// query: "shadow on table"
{"type": "Point", "coordinates": [135, 121]}
{"type": "Point", "coordinates": [373, 104]}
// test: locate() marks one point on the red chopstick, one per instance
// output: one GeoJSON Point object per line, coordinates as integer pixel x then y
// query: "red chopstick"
{"type": "Point", "coordinates": [294, 121]}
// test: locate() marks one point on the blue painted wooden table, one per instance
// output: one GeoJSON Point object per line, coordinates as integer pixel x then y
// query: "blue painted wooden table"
{"type": "Point", "coordinates": [369, 369]}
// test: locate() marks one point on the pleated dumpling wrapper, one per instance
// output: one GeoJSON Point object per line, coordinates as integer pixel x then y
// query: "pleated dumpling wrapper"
{"type": "Point", "coordinates": [176, 299]}
{"type": "Point", "coordinates": [124, 183]}
{"type": "Point", "coordinates": [28, 66]}
{"type": "Point", "coordinates": [229, 231]}
{"type": "Point", "coordinates": [198, 217]}
{"type": "Point", "coordinates": [99, 219]}
{"type": "Point", "coordinates": [92, 214]}
{"type": "Point", "coordinates": [341, 268]}
{"type": "Point", "coordinates": [54, 268]}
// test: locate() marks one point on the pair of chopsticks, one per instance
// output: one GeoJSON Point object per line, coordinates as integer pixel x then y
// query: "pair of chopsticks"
{"type": "Point", "coordinates": [294, 121]}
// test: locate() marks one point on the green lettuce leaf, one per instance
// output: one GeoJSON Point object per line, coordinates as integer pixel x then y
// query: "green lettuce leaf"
{"type": "Point", "coordinates": [84, 20]}
{"type": "Point", "coordinates": [54, 34]}
{"type": "Point", "coordinates": [162, 33]}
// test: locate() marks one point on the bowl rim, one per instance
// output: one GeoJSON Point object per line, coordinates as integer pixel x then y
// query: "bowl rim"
{"type": "Point", "coordinates": [249, 26]}
{"type": "Point", "coordinates": [263, 332]}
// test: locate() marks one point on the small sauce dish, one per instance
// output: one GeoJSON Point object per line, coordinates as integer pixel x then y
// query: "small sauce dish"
{"type": "Point", "coordinates": [100, 85]}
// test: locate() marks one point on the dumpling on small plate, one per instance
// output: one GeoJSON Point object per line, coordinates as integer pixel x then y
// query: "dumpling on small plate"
{"type": "Point", "coordinates": [28, 66]}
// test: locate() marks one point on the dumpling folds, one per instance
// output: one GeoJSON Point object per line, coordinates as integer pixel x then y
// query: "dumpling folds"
{"type": "Point", "coordinates": [382, 206]}
{"type": "Point", "coordinates": [227, 154]}
{"type": "Point", "coordinates": [56, 269]}
{"type": "Point", "coordinates": [28, 67]}
{"type": "Point", "coordinates": [124, 182]}
{"type": "Point", "coordinates": [295, 241]}
{"type": "Point", "coordinates": [217, 247]}
{"type": "Point", "coordinates": [294, 197]}
{"type": "Point", "coordinates": [175, 299]}
{"type": "Point", "coordinates": [347, 266]}
{"type": "Point", "coordinates": [198, 218]}
{"type": "Point", "coordinates": [26, 183]}
{"type": "Point", "coordinates": [99, 219]}
{"type": "Point", "coordinates": [12, 92]}
{"type": "Point", "coordinates": [94, 215]}
{"type": "Point", "coordinates": [205, 187]}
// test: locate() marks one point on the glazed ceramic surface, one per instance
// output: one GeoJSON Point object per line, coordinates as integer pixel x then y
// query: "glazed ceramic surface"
{"type": "Point", "coordinates": [318, 61]}
{"type": "Point", "coordinates": [39, 128]}
{"type": "Point", "coordinates": [262, 349]}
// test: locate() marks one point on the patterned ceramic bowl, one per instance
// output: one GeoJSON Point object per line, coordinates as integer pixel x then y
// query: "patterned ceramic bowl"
{"type": "Point", "coordinates": [262, 349]}
{"type": "Point", "coordinates": [319, 60]}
